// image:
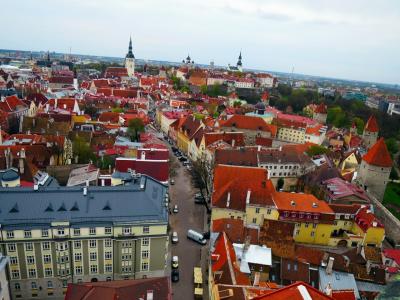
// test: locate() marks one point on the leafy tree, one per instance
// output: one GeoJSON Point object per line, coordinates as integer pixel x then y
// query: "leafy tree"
{"type": "Point", "coordinates": [280, 183]}
{"type": "Point", "coordinates": [203, 89]}
{"type": "Point", "coordinates": [392, 146]}
{"type": "Point", "coordinates": [185, 89]}
{"type": "Point", "coordinates": [117, 109]}
{"type": "Point", "coordinates": [360, 124]}
{"type": "Point", "coordinates": [91, 110]}
{"type": "Point", "coordinates": [393, 174]}
{"type": "Point", "coordinates": [106, 161]}
{"type": "Point", "coordinates": [135, 126]}
{"type": "Point", "coordinates": [82, 151]}
{"type": "Point", "coordinates": [284, 89]}
{"type": "Point", "coordinates": [237, 104]}
{"type": "Point", "coordinates": [316, 150]}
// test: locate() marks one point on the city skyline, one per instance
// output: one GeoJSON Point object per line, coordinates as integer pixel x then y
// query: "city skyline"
{"type": "Point", "coordinates": [322, 39]}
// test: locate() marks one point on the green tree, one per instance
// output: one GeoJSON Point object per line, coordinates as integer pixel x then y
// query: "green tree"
{"type": "Point", "coordinates": [204, 89]}
{"type": "Point", "coordinates": [117, 109]}
{"type": "Point", "coordinates": [280, 183]}
{"type": "Point", "coordinates": [393, 174]}
{"type": "Point", "coordinates": [135, 126]}
{"type": "Point", "coordinates": [316, 150]}
{"type": "Point", "coordinates": [359, 124]}
{"type": "Point", "coordinates": [392, 146]}
{"type": "Point", "coordinates": [82, 151]}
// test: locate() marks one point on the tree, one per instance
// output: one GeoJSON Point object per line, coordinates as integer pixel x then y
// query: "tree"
{"type": "Point", "coordinates": [135, 126]}
{"type": "Point", "coordinates": [106, 162]}
{"type": "Point", "coordinates": [117, 109]}
{"type": "Point", "coordinates": [91, 110]}
{"type": "Point", "coordinates": [393, 174]}
{"type": "Point", "coordinates": [392, 146]}
{"type": "Point", "coordinates": [82, 151]}
{"type": "Point", "coordinates": [316, 150]}
{"type": "Point", "coordinates": [280, 183]}
{"type": "Point", "coordinates": [359, 124]}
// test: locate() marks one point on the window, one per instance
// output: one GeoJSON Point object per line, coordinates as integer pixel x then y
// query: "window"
{"type": "Point", "coordinates": [61, 231]}
{"type": "Point", "coordinates": [126, 230]}
{"type": "Point", "coordinates": [108, 255]}
{"type": "Point", "coordinates": [108, 243]}
{"type": "Point", "coordinates": [335, 223]}
{"type": "Point", "coordinates": [108, 268]}
{"type": "Point", "coordinates": [17, 286]}
{"type": "Point", "coordinates": [33, 285]}
{"type": "Point", "coordinates": [10, 234]}
{"type": "Point", "coordinates": [254, 220]}
{"type": "Point", "coordinates": [288, 266]}
{"type": "Point", "coordinates": [47, 258]}
{"type": "Point", "coordinates": [49, 284]}
{"type": "Point", "coordinates": [77, 231]}
{"type": "Point", "coordinates": [295, 266]}
{"type": "Point", "coordinates": [48, 272]}
{"type": "Point", "coordinates": [92, 231]}
{"type": "Point", "coordinates": [28, 246]}
{"type": "Point", "coordinates": [13, 260]}
{"type": "Point", "coordinates": [45, 233]}
{"type": "Point", "coordinates": [46, 245]}
{"type": "Point", "coordinates": [78, 256]}
{"type": "Point", "coordinates": [312, 233]}
{"type": "Point", "coordinates": [145, 266]}
{"type": "Point", "coordinates": [78, 270]}
{"type": "Point", "coordinates": [306, 225]}
{"type": "Point", "coordinates": [31, 273]}
{"type": "Point", "coordinates": [93, 269]}
{"type": "Point", "coordinates": [15, 274]}
{"type": "Point", "coordinates": [145, 254]}
{"type": "Point", "coordinates": [107, 230]}
{"type": "Point", "coordinates": [314, 225]}
{"type": "Point", "coordinates": [30, 259]}
{"type": "Point", "coordinates": [145, 241]}
{"type": "Point", "coordinates": [77, 244]}
{"type": "Point", "coordinates": [65, 283]}
{"type": "Point", "coordinates": [92, 243]}
{"type": "Point", "coordinates": [297, 232]}
{"type": "Point", "coordinates": [93, 256]}
{"type": "Point", "coordinates": [257, 210]}
{"type": "Point", "coordinates": [146, 229]}
{"type": "Point", "coordinates": [27, 234]}
{"type": "Point", "coordinates": [345, 223]}
{"type": "Point", "coordinates": [268, 211]}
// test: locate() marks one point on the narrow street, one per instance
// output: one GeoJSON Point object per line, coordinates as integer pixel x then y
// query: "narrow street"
{"type": "Point", "coordinates": [190, 216]}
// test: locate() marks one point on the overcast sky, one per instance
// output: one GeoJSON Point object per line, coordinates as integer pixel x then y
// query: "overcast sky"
{"type": "Point", "coordinates": [352, 39]}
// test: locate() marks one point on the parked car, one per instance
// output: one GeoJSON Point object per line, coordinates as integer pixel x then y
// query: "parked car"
{"type": "Point", "coordinates": [186, 163]}
{"type": "Point", "coordinates": [199, 200]}
{"type": "Point", "coordinates": [174, 262]}
{"type": "Point", "coordinates": [175, 275]}
{"type": "Point", "coordinates": [182, 158]}
{"type": "Point", "coordinates": [175, 237]}
{"type": "Point", "coordinates": [196, 236]}
{"type": "Point", "coordinates": [198, 196]}
{"type": "Point", "coordinates": [171, 182]}
{"type": "Point", "coordinates": [175, 210]}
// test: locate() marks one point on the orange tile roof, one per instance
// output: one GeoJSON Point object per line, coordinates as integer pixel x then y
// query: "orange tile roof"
{"type": "Point", "coordinates": [372, 124]}
{"type": "Point", "coordinates": [343, 295]}
{"type": "Point", "coordinates": [295, 291]}
{"type": "Point", "coordinates": [250, 123]}
{"type": "Point", "coordinates": [300, 202]}
{"type": "Point", "coordinates": [234, 228]}
{"type": "Point", "coordinates": [379, 155]}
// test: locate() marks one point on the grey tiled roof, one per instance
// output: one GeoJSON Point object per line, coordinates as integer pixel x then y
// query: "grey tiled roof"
{"type": "Point", "coordinates": [25, 207]}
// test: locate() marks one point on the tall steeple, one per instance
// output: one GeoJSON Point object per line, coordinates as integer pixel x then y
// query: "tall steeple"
{"type": "Point", "coordinates": [130, 53]}
{"type": "Point", "coordinates": [239, 63]}
{"type": "Point", "coordinates": [130, 60]}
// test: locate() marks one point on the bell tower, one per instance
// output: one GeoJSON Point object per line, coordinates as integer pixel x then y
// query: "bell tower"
{"type": "Point", "coordinates": [130, 60]}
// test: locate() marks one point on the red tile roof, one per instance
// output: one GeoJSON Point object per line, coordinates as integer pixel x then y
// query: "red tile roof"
{"type": "Point", "coordinates": [250, 123]}
{"type": "Point", "coordinates": [295, 291]}
{"type": "Point", "coordinates": [321, 109]}
{"type": "Point", "coordinates": [301, 203]}
{"type": "Point", "coordinates": [61, 79]}
{"type": "Point", "coordinates": [234, 228]}
{"type": "Point", "coordinates": [121, 289]}
{"type": "Point", "coordinates": [227, 137]}
{"type": "Point", "coordinates": [365, 219]}
{"type": "Point", "coordinates": [393, 254]}
{"type": "Point", "coordinates": [379, 155]}
{"type": "Point", "coordinates": [112, 117]}
{"type": "Point", "coordinates": [372, 124]}
{"type": "Point", "coordinates": [343, 295]}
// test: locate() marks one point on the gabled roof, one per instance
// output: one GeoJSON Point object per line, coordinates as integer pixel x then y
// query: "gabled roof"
{"type": "Point", "coordinates": [234, 228]}
{"type": "Point", "coordinates": [379, 155]}
{"type": "Point", "coordinates": [300, 202]}
{"type": "Point", "coordinates": [159, 287]}
{"type": "Point", "coordinates": [250, 123]}
{"type": "Point", "coordinates": [365, 219]}
{"type": "Point", "coordinates": [296, 291]}
{"type": "Point", "coordinates": [372, 125]}
{"type": "Point", "coordinates": [321, 109]}
{"type": "Point", "coordinates": [228, 137]}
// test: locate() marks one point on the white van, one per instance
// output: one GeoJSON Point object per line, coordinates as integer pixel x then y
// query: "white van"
{"type": "Point", "coordinates": [196, 236]}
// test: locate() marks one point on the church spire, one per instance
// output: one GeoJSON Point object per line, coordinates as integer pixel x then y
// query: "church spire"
{"type": "Point", "coordinates": [130, 53]}
{"type": "Point", "coordinates": [239, 63]}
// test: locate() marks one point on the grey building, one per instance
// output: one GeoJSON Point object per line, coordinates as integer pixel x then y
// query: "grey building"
{"type": "Point", "coordinates": [59, 235]}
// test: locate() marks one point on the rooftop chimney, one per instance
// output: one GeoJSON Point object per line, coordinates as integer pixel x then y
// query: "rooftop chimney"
{"type": "Point", "coordinates": [329, 267]}
{"type": "Point", "coordinates": [228, 200]}
{"type": "Point", "coordinates": [248, 196]}
{"type": "Point", "coordinates": [84, 191]}
{"type": "Point", "coordinates": [149, 295]}
{"type": "Point", "coordinates": [328, 290]}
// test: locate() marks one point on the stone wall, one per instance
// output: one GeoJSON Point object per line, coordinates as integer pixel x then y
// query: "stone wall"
{"type": "Point", "coordinates": [391, 223]}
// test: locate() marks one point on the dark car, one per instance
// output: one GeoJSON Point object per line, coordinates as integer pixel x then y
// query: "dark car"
{"type": "Point", "coordinates": [206, 235]}
{"type": "Point", "coordinates": [199, 200]}
{"type": "Point", "coordinates": [175, 275]}
{"type": "Point", "coordinates": [182, 158]}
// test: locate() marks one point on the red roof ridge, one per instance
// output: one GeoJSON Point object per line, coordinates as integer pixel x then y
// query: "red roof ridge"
{"type": "Point", "coordinates": [372, 124]}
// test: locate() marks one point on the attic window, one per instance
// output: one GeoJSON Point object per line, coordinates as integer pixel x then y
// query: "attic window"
{"type": "Point", "coordinates": [49, 207]}
{"type": "Point", "coordinates": [14, 209]}
{"type": "Point", "coordinates": [107, 206]}
{"type": "Point", "coordinates": [75, 207]}
{"type": "Point", "coordinates": [62, 208]}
